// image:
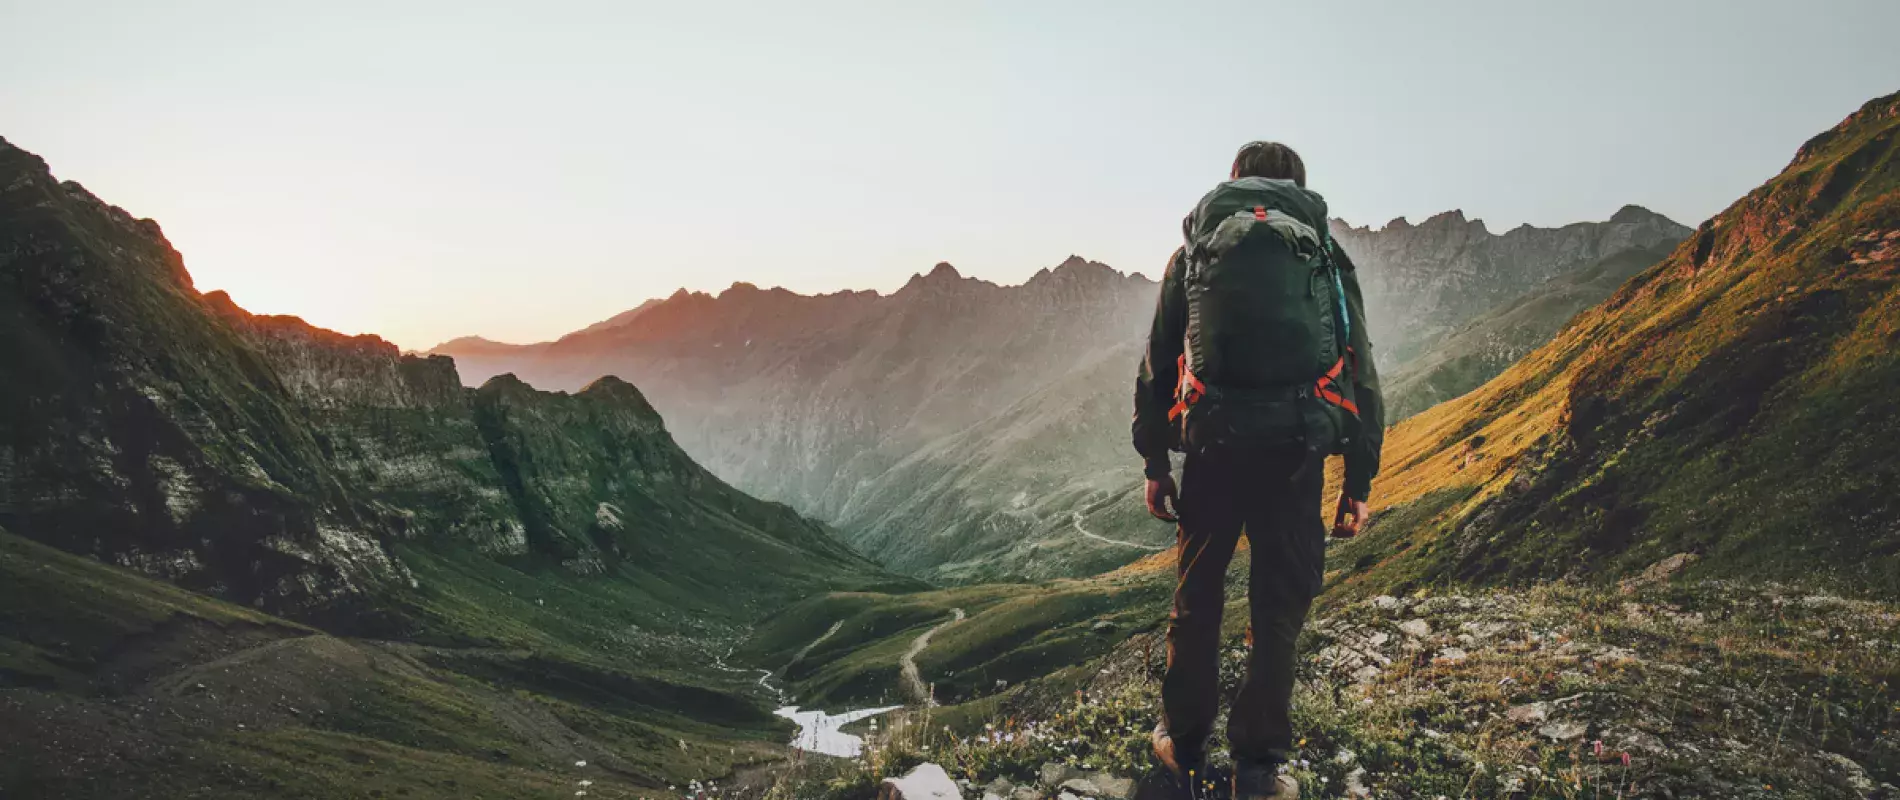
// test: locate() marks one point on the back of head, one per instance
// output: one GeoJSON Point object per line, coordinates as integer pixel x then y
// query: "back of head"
{"type": "Point", "coordinates": [1269, 160]}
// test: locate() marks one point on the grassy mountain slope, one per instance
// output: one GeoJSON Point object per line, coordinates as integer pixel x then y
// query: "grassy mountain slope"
{"type": "Point", "coordinates": [1491, 342]}
{"type": "Point", "coordinates": [116, 685]}
{"type": "Point", "coordinates": [556, 544]}
{"type": "Point", "coordinates": [1737, 401]}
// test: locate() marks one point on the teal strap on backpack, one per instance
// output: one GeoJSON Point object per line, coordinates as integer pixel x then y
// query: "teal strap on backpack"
{"type": "Point", "coordinates": [1339, 287]}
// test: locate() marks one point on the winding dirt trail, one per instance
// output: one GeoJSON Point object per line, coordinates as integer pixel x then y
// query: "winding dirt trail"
{"type": "Point", "coordinates": [907, 664]}
{"type": "Point", "coordinates": [1077, 521]}
{"type": "Point", "coordinates": [806, 650]}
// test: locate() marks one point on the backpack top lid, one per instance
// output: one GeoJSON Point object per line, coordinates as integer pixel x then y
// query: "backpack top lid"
{"type": "Point", "coordinates": [1278, 194]}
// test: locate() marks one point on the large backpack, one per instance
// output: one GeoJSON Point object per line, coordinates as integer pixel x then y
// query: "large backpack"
{"type": "Point", "coordinates": [1266, 363]}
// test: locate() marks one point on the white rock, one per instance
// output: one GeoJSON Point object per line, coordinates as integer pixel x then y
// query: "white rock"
{"type": "Point", "coordinates": [1355, 784]}
{"type": "Point", "coordinates": [926, 782]}
{"type": "Point", "coordinates": [1386, 602]}
{"type": "Point", "coordinates": [1450, 655]}
{"type": "Point", "coordinates": [1416, 628]}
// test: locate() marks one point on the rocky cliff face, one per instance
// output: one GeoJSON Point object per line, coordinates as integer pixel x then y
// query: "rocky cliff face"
{"type": "Point", "coordinates": [264, 460]}
{"type": "Point", "coordinates": [1423, 281]}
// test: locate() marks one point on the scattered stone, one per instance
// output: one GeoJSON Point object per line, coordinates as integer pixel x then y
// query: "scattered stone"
{"type": "Point", "coordinates": [1563, 731]}
{"type": "Point", "coordinates": [1379, 639]}
{"type": "Point", "coordinates": [1356, 786]}
{"type": "Point", "coordinates": [1000, 786]}
{"type": "Point", "coordinates": [1450, 655]}
{"type": "Point", "coordinates": [1366, 674]}
{"type": "Point", "coordinates": [926, 782]}
{"type": "Point", "coordinates": [1102, 626]}
{"type": "Point", "coordinates": [1344, 756]}
{"type": "Point", "coordinates": [1067, 796]}
{"type": "Point", "coordinates": [1658, 572]}
{"type": "Point", "coordinates": [1528, 713]}
{"type": "Point", "coordinates": [1386, 602]}
{"type": "Point", "coordinates": [1852, 770]}
{"type": "Point", "coordinates": [1416, 628]}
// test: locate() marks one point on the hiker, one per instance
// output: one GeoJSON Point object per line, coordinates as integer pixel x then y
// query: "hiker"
{"type": "Point", "coordinates": [1258, 367]}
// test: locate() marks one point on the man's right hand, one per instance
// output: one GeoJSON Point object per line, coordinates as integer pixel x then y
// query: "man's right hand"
{"type": "Point", "coordinates": [1164, 502]}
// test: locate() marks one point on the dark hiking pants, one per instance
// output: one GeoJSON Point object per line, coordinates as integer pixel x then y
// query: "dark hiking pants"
{"type": "Point", "coordinates": [1275, 498]}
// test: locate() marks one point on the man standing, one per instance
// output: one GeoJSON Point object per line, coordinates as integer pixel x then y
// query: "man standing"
{"type": "Point", "coordinates": [1258, 367]}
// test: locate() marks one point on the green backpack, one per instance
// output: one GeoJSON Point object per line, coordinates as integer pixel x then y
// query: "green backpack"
{"type": "Point", "coordinates": [1266, 359]}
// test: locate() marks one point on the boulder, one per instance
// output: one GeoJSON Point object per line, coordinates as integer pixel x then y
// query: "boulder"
{"type": "Point", "coordinates": [1416, 628]}
{"type": "Point", "coordinates": [926, 782]}
{"type": "Point", "coordinates": [1110, 787]}
{"type": "Point", "coordinates": [1053, 775]}
{"type": "Point", "coordinates": [1080, 786]}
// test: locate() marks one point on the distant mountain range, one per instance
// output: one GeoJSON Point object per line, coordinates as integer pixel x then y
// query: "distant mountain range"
{"type": "Point", "coordinates": [961, 430]}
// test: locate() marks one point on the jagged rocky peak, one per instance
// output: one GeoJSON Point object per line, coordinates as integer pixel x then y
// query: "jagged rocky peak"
{"type": "Point", "coordinates": [1453, 220]}
{"type": "Point", "coordinates": [611, 388]}
{"type": "Point", "coordinates": [941, 275]}
{"type": "Point", "coordinates": [506, 384]}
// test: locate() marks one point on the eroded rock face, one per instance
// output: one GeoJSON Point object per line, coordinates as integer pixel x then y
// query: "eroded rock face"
{"type": "Point", "coordinates": [274, 463]}
{"type": "Point", "coordinates": [1423, 280]}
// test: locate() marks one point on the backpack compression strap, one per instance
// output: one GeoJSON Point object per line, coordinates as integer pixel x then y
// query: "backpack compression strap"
{"type": "Point", "coordinates": [1327, 387]}
{"type": "Point", "coordinates": [1188, 390]}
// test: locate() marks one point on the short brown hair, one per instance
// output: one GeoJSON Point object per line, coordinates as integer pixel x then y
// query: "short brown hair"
{"type": "Point", "coordinates": [1269, 160]}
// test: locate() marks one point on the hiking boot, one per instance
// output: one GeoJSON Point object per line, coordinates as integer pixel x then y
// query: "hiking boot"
{"type": "Point", "coordinates": [1263, 781]}
{"type": "Point", "coordinates": [1184, 764]}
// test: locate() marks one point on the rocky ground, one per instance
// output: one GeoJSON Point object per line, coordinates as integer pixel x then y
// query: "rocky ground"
{"type": "Point", "coordinates": [1649, 689]}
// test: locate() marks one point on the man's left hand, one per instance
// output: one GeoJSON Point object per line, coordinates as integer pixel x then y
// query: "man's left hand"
{"type": "Point", "coordinates": [1351, 517]}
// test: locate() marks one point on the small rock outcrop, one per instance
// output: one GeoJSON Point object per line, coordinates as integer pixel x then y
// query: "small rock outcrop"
{"type": "Point", "coordinates": [925, 782]}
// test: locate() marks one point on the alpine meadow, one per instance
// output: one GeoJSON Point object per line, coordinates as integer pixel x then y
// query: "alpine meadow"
{"type": "Point", "coordinates": [1634, 530]}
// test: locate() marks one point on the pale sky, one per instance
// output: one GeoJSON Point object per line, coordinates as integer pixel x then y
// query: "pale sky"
{"type": "Point", "coordinates": [428, 170]}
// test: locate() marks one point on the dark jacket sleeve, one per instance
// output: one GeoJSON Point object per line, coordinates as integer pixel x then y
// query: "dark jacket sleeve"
{"type": "Point", "coordinates": [1362, 456]}
{"type": "Point", "coordinates": [1155, 382]}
